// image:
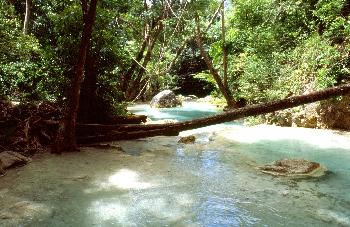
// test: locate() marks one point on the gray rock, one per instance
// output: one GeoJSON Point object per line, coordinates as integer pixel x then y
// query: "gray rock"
{"type": "Point", "coordinates": [294, 167]}
{"type": "Point", "coordinates": [187, 139]}
{"type": "Point", "coordinates": [165, 99]}
{"type": "Point", "coordinates": [10, 159]}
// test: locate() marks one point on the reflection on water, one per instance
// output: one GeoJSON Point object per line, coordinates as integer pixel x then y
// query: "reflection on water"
{"type": "Point", "coordinates": [158, 182]}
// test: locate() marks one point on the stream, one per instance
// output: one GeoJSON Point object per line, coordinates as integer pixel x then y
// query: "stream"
{"type": "Point", "coordinates": [159, 182]}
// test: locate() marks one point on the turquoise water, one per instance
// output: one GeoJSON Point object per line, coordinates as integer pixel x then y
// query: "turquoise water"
{"type": "Point", "coordinates": [158, 182]}
{"type": "Point", "coordinates": [188, 111]}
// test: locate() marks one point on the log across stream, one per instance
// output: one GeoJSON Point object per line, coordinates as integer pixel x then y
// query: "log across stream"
{"type": "Point", "coordinates": [124, 132]}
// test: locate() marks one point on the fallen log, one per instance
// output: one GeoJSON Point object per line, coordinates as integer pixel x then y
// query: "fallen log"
{"type": "Point", "coordinates": [114, 135]}
{"type": "Point", "coordinates": [131, 119]}
{"type": "Point", "coordinates": [99, 128]}
{"type": "Point", "coordinates": [129, 123]}
{"type": "Point", "coordinates": [126, 132]}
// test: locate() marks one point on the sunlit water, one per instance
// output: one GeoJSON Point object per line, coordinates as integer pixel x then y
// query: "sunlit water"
{"type": "Point", "coordinates": [158, 182]}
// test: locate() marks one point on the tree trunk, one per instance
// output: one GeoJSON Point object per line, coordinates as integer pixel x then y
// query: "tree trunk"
{"type": "Point", "coordinates": [223, 47]}
{"type": "Point", "coordinates": [66, 140]}
{"type": "Point", "coordinates": [226, 92]}
{"type": "Point", "coordinates": [27, 16]}
{"type": "Point", "coordinates": [109, 133]}
{"type": "Point", "coordinates": [88, 97]}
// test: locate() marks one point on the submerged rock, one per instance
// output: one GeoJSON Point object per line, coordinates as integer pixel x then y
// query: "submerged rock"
{"type": "Point", "coordinates": [9, 159]}
{"type": "Point", "coordinates": [294, 167]}
{"type": "Point", "coordinates": [187, 139]}
{"type": "Point", "coordinates": [165, 99]}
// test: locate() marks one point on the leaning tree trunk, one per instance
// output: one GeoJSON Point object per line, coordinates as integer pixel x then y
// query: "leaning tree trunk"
{"type": "Point", "coordinates": [214, 72]}
{"type": "Point", "coordinates": [122, 132]}
{"type": "Point", "coordinates": [66, 140]}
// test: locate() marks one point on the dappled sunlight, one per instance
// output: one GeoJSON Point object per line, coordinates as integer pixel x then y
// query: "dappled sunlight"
{"type": "Point", "coordinates": [135, 209]}
{"type": "Point", "coordinates": [127, 179]}
{"type": "Point", "coordinates": [106, 211]}
{"type": "Point", "coordinates": [122, 179]}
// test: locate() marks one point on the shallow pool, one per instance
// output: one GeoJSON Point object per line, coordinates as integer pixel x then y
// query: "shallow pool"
{"type": "Point", "coordinates": [158, 182]}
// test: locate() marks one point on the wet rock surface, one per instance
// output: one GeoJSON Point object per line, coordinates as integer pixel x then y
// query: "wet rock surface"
{"type": "Point", "coordinates": [165, 99]}
{"type": "Point", "coordinates": [293, 167]}
{"type": "Point", "coordinates": [187, 139]}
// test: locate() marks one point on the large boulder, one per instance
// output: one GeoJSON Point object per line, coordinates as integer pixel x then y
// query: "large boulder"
{"type": "Point", "coordinates": [165, 99]}
{"type": "Point", "coordinates": [294, 168]}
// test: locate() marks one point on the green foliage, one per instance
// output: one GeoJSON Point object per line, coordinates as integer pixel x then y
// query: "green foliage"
{"type": "Point", "coordinates": [24, 68]}
{"type": "Point", "coordinates": [281, 48]}
{"type": "Point", "coordinates": [313, 60]}
{"type": "Point", "coordinates": [276, 48]}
